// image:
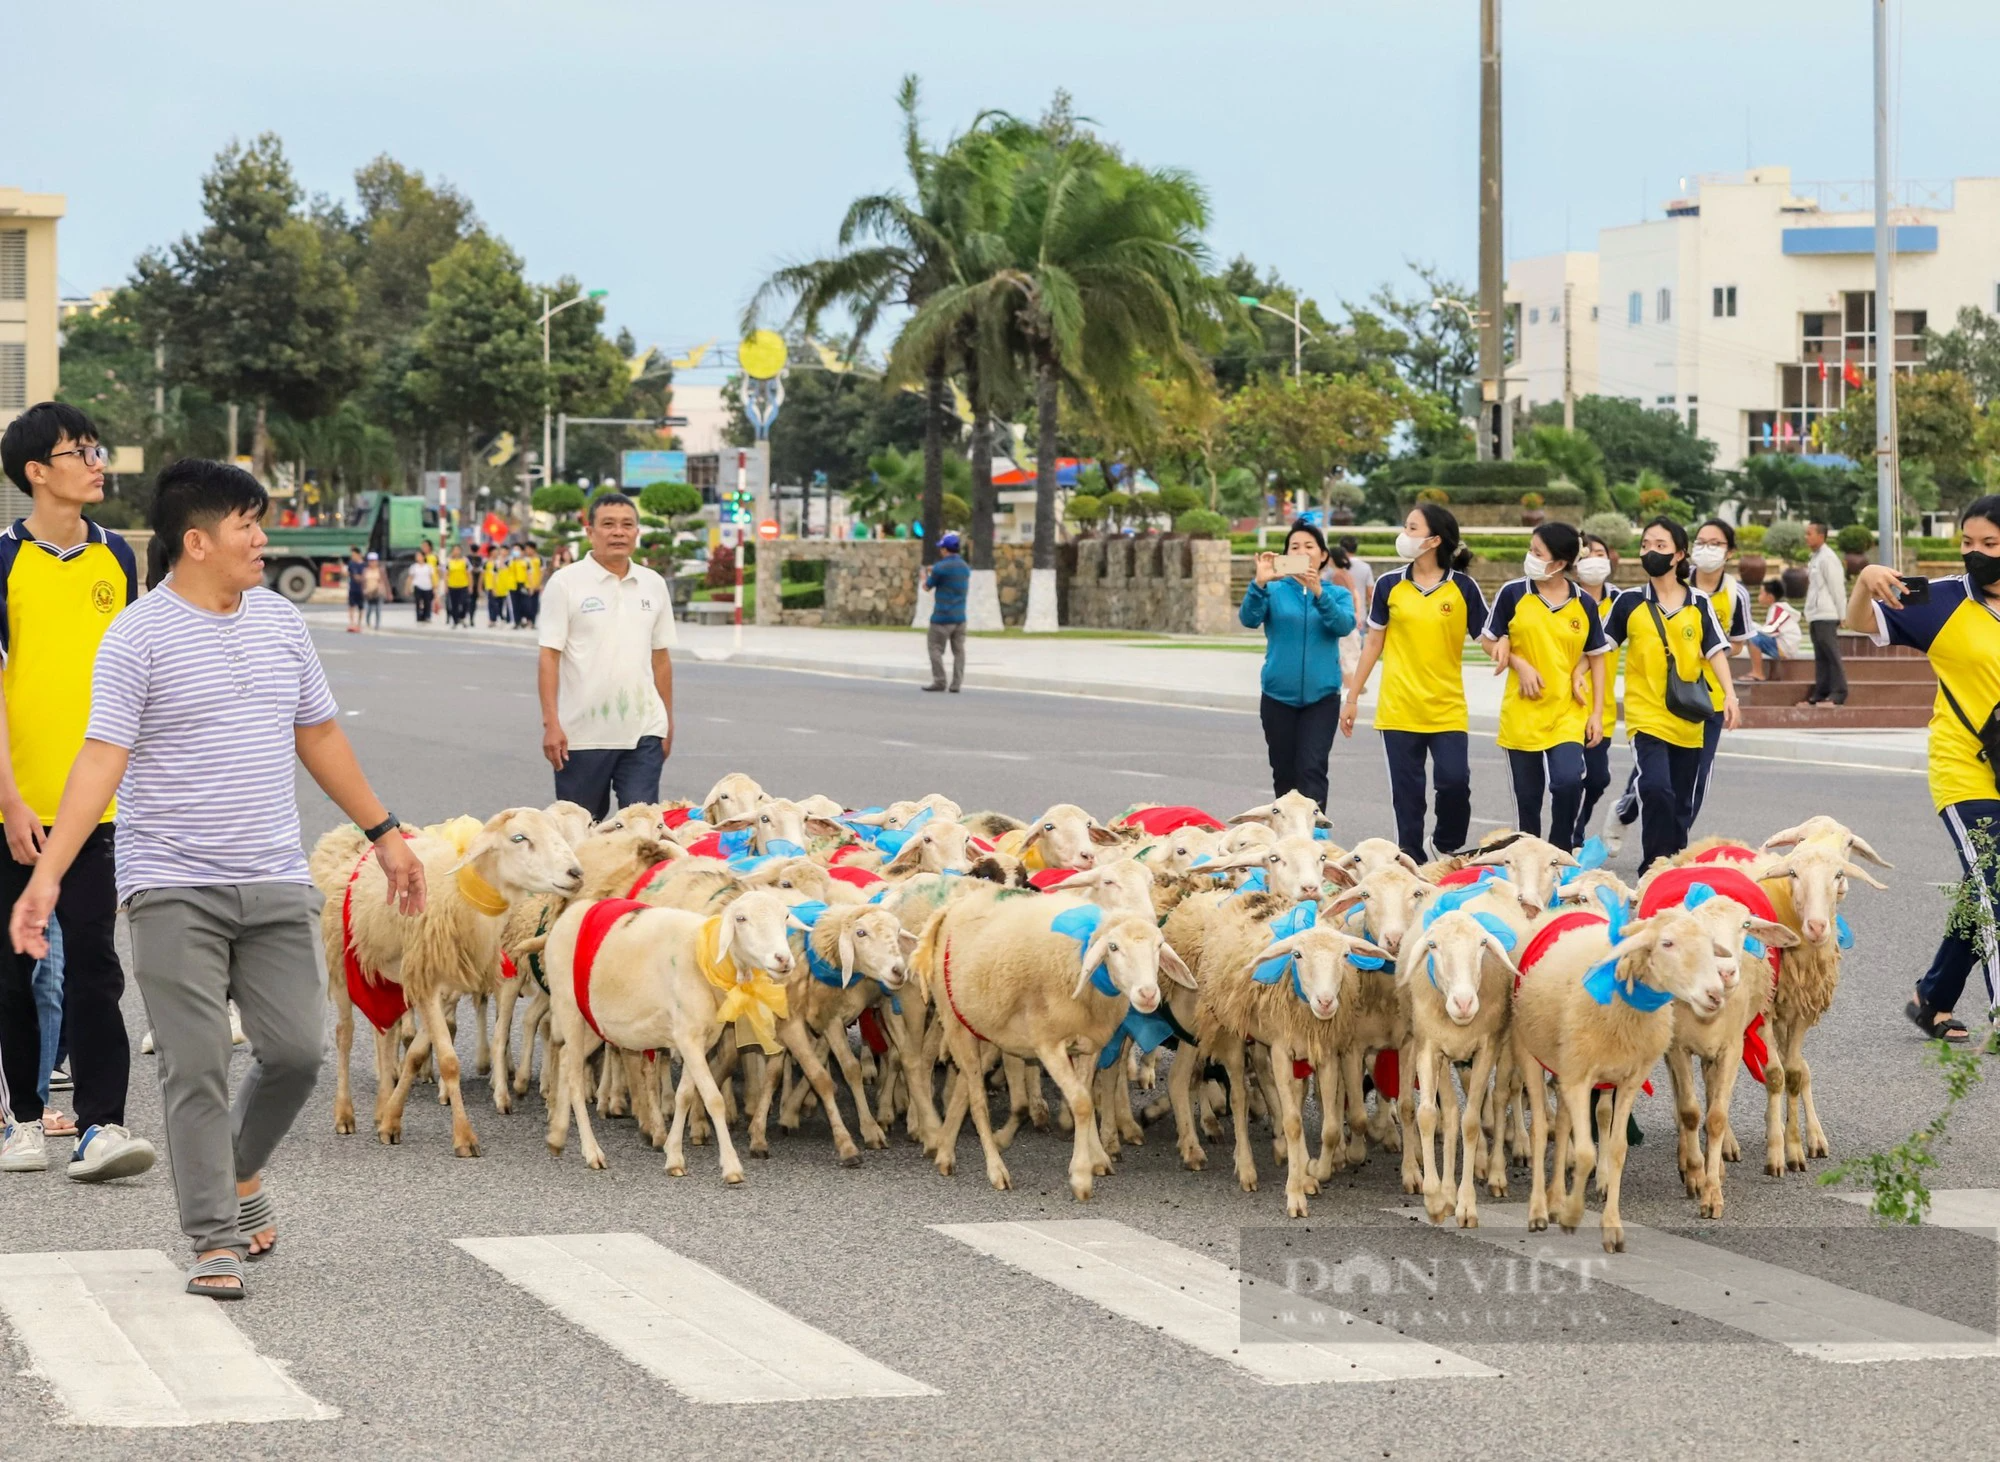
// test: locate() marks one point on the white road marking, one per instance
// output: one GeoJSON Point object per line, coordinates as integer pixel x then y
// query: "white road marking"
{"type": "Point", "coordinates": [720, 720]}
{"type": "Point", "coordinates": [1811, 1317]}
{"type": "Point", "coordinates": [907, 745]}
{"type": "Point", "coordinates": [803, 730]}
{"type": "Point", "coordinates": [1974, 1209]}
{"type": "Point", "coordinates": [705, 1336]}
{"type": "Point", "coordinates": [1008, 756]}
{"type": "Point", "coordinates": [1149, 776]}
{"type": "Point", "coordinates": [1196, 1300]}
{"type": "Point", "coordinates": [114, 1337]}
{"type": "Point", "coordinates": [1490, 822]}
{"type": "Point", "coordinates": [354, 713]}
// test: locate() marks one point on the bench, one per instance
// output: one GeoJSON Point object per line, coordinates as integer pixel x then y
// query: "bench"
{"type": "Point", "coordinates": [711, 611]}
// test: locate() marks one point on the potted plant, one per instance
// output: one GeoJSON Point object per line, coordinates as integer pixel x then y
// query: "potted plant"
{"type": "Point", "coordinates": [1531, 509]}
{"type": "Point", "coordinates": [1785, 542]}
{"type": "Point", "coordinates": [1854, 541]}
{"type": "Point", "coordinates": [1434, 495]}
{"type": "Point", "coordinates": [1750, 563]}
{"type": "Point", "coordinates": [1342, 498]}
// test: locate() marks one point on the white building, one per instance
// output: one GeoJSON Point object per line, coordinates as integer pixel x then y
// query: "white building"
{"type": "Point", "coordinates": [1748, 310]}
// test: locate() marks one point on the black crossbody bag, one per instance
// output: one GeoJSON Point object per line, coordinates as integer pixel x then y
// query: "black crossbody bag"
{"type": "Point", "coordinates": [1688, 699]}
{"type": "Point", "coordinates": [1988, 735]}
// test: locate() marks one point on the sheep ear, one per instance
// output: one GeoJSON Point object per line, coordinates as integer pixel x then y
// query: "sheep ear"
{"type": "Point", "coordinates": [1103, 837]}
{"type": "Point", "coordinates": [1288, 945]}
{"type": "Point", "coordinates": [724, 935]}
{"type": "Point", "coordinates": [1174, 967]}
{"type": "Point", "coordinates": [906, 859]}
{"type": "Point", "coordinates": [736, 825]}
{"type": "Point", "coordinates": [1320, 819]}
{"type": "Point", "coordinates": [1567, 860]}
{"type": "Point", "coordinates": [1410, 863]}
{"type": "Point", "coordinates": [1855, 871]}
{"type": "Point", "coordinates": [487, 842]}
{"type": "Point", "coordinates": [846, 946]}
{"type": "Point", "coordinates": [1340, 903]}
{"type": "Point", "coordinates": [1371, 949]}
{"type": "Point", "coordinates": [1857, 844]}
{"type": "Point", "coordinates": [825, 827]}
{"type": "Point", "coordinates": [793, 921]}
{"type": "Point", "coordinates": [907, 942]}
{"type": "Point", "coordinates": [1791, 837]}
{"type": "Point", "coordinates": [1496, 950]}
{"type": "Point", "coordinates": [1092, 959]}
{"type": "Point", "coordinates": [1777, 936]}
{"type": "Point", "coordinates": [1638, 939]}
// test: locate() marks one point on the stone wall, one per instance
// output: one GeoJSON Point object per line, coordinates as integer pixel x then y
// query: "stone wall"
{"type": "Point", "coordinates": [1178, 586]}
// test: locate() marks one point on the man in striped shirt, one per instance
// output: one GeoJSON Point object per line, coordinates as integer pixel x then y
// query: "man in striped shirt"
{"type": "Point", "coordinates": [204, 692]}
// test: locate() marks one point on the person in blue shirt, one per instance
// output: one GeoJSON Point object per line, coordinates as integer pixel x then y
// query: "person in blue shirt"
{"type": "Point", "coordinates": [947, 580]}
{"type": "Point", "coordinates": [1303, 618]}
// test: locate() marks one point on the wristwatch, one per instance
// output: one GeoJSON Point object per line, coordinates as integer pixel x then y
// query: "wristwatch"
{"type": "Point", "coordinates": [381, 829]}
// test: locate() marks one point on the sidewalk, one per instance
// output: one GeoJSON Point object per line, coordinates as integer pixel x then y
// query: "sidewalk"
{"type": "Point", "coordinates": [1206, 673]}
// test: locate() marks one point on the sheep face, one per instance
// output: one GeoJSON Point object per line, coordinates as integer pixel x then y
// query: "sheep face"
{"type": "Point", "coordinates": [1729, 924]}
{"type": "Point", "coordinates": [732, 799]}
{"type": "Point", "coordinates": [1120, 885]}
{"type": "Point", "coordinates": [1177, 854]}
{"type": "Point", "coordinates": [1677, 956]}
{"type": "Point", "coordinates": [1533, 865]}
{"type": "Point", "coordinates": [1825, 829]}
{"type": "Point", "coordinates": [521, 851]}
{"type": "Point", "coordinates": [780, 820]}
{"type": "Point", "coordinates": [793, 879]}
{"type": "Point", "coordinates": [1818, 870]}
{"type": "Point", "coordinates": [1581, 891]}
{"type": "Point", "coordinates": [754, 933]}
{"type": "Point", "coordinates": [1451, 956]}
{"type": "Point", "coordinates": [1296, 868]}
{"type": "Point", "coordinates": [1293, 815]}
{"type": "Point", "coordinates": [1130, 950]}
{"type": "Point", "coordinates": [1068, 837]}
{"type": "Point", "coordinates": [875, 945]}
{"type": "Point", "coordinates": [572, 820]}
{"type": "Point", "coordinates": [1242, 839]}
{"type": "Point", "coordinates": [818, 805]}
{"type": "Point", "coordinates": [936, 847]}
{"type": "Point", "coordinates": [1320, 966]}
{"type": "Point", "coordinates": [1372, 853]}
{"type": "Point", "coordinates": [1390, 899]}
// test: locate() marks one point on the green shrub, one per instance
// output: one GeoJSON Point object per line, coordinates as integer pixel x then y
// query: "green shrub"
{"type": "Point", "coordinates": [1750, 537]}
{"type": "Point", "coordinates": [558, 498]}
{"type": "Point", "coordinates": [1345, 495]}
{"type": "Point", "coordinates": [1085, 509]}
{"type": "Point", "coordinates": [1626, 495]}
{"type": "Point", "coordinates": [1532, 500]}
{"type": "Point", "coordinates": [1558, 494]}
{"type": "Point", "coordinates": [1786, 539]}
{"type": "Point", "coordinates": [802, 596]}
{"type": "Point", "coordinates": [1854, 539]}
{"type": "Point", "coordinates": [1119, 506]}
{"type": "Point", "coordinates": [1201, 523]}
{"type": "Point", "coordinates": [1517, 475]}
{"type": "Point", "coordinates": [670, 499]}
{"type": "Point", "coordinates": [957, 513]}
{"type": "Point", "coordinates": [1150, 504]}
{"type": "Point", "coordinates": [1433, 495]}
{"type": "Point", "coordinates": [803, 571]}
{"type": "Point", "coordinates": [1614, 528]}
{"type": "Point", "coordinates": [1180, 499]}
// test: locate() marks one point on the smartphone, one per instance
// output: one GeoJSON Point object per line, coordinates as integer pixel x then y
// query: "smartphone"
{"type": "Point", "coordinates": [1916, 589]}
{"type": "Point", "coordinates": [1289, 565]}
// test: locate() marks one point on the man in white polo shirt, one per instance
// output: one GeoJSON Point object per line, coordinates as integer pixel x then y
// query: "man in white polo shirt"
{"type": "Point", "coordinates": [606, 677]}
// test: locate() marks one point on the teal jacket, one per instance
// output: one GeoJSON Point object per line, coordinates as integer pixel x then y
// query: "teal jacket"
{"type": "Point", "coordinates": [1302, 638]}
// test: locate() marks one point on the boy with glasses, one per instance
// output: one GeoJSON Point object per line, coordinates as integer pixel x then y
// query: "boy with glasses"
{"type": "Point", "coordinates": [63, 580]}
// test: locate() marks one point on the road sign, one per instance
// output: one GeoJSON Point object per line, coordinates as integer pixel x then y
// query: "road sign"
{"type": "Point", "coordinates": [729, 534]}
{"type": "Point", "coordinates": [639, 469]}
{"type": "Point", "coordinates": [768, 529]}
{"type": "Point", "coordinates": [444, 486]}
{"type": "Point", "coordinates": [761, 354]}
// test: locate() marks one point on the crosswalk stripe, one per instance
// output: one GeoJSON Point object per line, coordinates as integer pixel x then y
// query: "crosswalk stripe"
{"type": "Point", "coordinates": [1196, 1300]}
{"type": "Point", "coordinates": [1976, 1209]}
{"type": "Point", "coordinates": [704, 1335]}
{"type": "Point", "coordinates": [1809, 1316]}
{"type": "Point", "coordinates": [114, 1336]}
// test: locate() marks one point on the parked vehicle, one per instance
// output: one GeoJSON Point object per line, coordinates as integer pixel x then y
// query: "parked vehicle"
{"type": "Point", "coordinates": [378, 522]}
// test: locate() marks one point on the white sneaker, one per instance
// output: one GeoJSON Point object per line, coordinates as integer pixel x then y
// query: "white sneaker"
{"type": "Point", "coordinates": [236, 1036]}
{"type": "Point", "coordinates": [146, 1046]}
{"type": "Point", "coordinates": [109, 1151]}
{"type": "Point", "coordinates": [23, 1150]}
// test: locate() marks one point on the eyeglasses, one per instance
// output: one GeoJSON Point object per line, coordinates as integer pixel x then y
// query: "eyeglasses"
{"type": "Point", "coordinates": [93, 455]}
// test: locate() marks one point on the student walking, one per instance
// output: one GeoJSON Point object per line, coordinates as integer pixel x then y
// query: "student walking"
{"type": "Point", "coordinates": [357, 597]}
{"type": "Point", "coordinates": [497, 580]}
{"type": "Point", "coordinates": [1826, 602]}
{"type": "Point", "coordinates": [204, 694]}
{"type": "Point", "coordinates": [527, 590]}
{"type": "Point", "coordinates": [1543, 634]}
{"type": "Point", "coordinates": [1419, 620]}
{"type": "Point", "coordinates": [1594, 566]}
{"type": "Point", "coordinates": [1669, 630]}
{"type": "Point", "coordinates": [423, 582]}
{"type": "Point", "coordinates": [947, 581]}
{"type": "Point", "coordinates": [63, 583]}
{"type": "Point", "coordinates": [1306, 619]}
{"type": "Point", "coordinates": [457, 586]}
{"type": "Point", "coordinates": [1957, 628]}
{"type": "Point", "coordinates": [1714, 541]}
{"type": "Point", "coordinates": [606, 677]}
{"type": "Point", "coordinates": [374, 589]}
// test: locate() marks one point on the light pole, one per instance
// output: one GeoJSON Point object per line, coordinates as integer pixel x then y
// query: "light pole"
{"type": "Point", "coordinates": [1299, 331]}
{"type": "Point", "coordinates": [548, 403]}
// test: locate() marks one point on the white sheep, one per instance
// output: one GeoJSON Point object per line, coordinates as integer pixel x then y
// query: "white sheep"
{"type": "Point", "coordinates": [1065, 836]}
{"type": "Point", "coordinates": [731, 799]}
{"type": "Point", "coordinates": [1293, 815]}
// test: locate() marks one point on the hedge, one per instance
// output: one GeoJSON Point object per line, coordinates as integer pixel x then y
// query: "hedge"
{"type": "Point", "coordinates": [1561, 495]}
{"type": "Point", "coordinates": [1521, 476]}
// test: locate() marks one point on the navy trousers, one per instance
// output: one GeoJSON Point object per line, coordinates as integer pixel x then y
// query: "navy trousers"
{"type": "Point", "coordinates": [1944, 981]}
{"type": "Point", "coordinates": [1711, 737]}
{"type": "Point", "coordinates": [1596, 780]}
{"type": "Point", "coordinates": [1299, 740]}
{"type": "Point", "coordinates": [1559, 773]}
{"type": "Point", "coordinates": [1667, 776]}
{"type": "Point", "coordinates": [590, 777]}
{"type": "Point", "coordinates": [1451, 779]}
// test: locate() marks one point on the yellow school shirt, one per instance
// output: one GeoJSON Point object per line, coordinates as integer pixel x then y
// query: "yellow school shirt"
{"type": "Point", "coordinates": [55, 606]}
{"type": "Point", "coordinates": [493, 578]}
{"type": "Point", "coordinates": [1960, 633]}
{"type": "Point", "coordinates": [457, 573]}
{"type": "Point", "coordinates": [1694, 635]}
{"type": "Point", "coordinates": [1423, 682]}
{"type": "Point", "coordinates": [530, 571]}
{"type": "Point", "coordinates": [1554, 641]}
{"type": "Point", "coordinates": [1732, 611]}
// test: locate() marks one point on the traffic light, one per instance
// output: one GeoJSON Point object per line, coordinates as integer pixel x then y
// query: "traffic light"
{"type": "Point", "coordinates": [737, 505]}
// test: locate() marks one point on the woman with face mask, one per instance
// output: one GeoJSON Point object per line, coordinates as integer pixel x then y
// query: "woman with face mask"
{"type": "Point", "coordinates": [1543, 632]}
{"type": "Point", "coordinates": [1594, 565]}
{"type": "Point", "coordinates": [1958, 628]}
{"type": "Point", "coordinates": [1670, 631]}
{"type": "Point", "coordinates": [1303, 617]}
{"type": "Point", "coordinates": [1420, 616]}
{"type": "Point", "coordinates": [1713, 542]}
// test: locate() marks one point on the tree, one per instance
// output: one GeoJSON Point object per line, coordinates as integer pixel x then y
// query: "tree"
{"type": "Point", "coordinates": [1433, 343]}
{"type": "Point", "coordinates": [1634, 438]}
{"type": "Point", "coordinates": [588, 373]}
{"type": "Point", "coordinates": [833, 423]}
{"type": "Point", "coordinates": [477, 363]}
{"type": "Point", "coordinates": [1575, 456]}
{"type": "Point", "coordinates": [566, 497]}
{"type": "Point", "coordinates": [1304, 431]}
{"type": "Point", "coordinates": [1972, 349]}
{"type": "Point", "coordinates": [1936, 423]}
{"type": "Point", "coordinates": [668, 499]}
{"type": "Point", "coordinates": [256, 307]}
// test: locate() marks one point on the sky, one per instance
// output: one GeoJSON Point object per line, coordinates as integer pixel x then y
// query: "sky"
{"type": "Point", "coordinates": [674, 154]}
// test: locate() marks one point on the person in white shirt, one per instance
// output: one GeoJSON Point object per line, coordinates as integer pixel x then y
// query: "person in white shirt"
{"type": "Point", "coordinates": [606, 676]}
{"type": "Point", "coordinates": [1826, 604]}
{"type": "Point", "coordinates": [423, 581]}
{"type": "Point", "coordinates": [1779, 637]}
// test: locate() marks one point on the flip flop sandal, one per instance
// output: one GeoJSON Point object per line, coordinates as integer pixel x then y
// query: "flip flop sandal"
{"type": "Point", "coordinates": [54, 1124]}
{"type": "Point", "coordinates": [222, 1266]}
{"type": "Point", "coordinates": [254, 1213]}
{"type": "Point", "coordinates": [1925, 1018]}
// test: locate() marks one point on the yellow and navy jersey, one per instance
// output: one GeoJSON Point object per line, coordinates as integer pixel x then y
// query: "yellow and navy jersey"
{"type": "Point", "coordinates": [1423, 679]}
{"type": "Point", "coordinates": [1692, 632]}
{"type": "Point", "coordinates": [529, 571]}
{"type": "Point", "coordinates": [1554, 639]}
{"type": "Point", "coordinates": [457, 573]}
{"type": "Point", "coordinates": [1731, 602]}
{"type": "Point", "coordinates": [55, 605]}
{"type": "Point", "coordinates": [493, 578]}
{"type": "Point", "coordinates": [1960, 632]}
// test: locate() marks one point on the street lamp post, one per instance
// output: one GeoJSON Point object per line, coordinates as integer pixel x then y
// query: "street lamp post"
{"type": "Point", "coordinates": [548, 405]}
{"type": "Point", "coordinates": [1299, 331]}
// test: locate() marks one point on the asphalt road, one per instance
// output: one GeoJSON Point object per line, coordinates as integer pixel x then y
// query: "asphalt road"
{"type": "Point", "coordinates": [425, 1351]}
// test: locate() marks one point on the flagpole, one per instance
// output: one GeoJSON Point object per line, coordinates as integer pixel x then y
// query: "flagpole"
{"type": "Point", "coordinates": [1888, 515]}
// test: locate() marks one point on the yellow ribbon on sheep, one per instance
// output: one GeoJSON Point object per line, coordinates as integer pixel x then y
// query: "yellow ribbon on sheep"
{"type": "Point", "coordinates": [1011, 841]}
{"type": "Point", "coordinates": [458, 834]}
{"type": "Point", "coordinates": [753, 1002]}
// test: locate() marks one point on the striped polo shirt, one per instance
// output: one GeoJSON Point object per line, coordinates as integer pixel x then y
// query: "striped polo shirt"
{"type": "Point", "coordinates": [206, 703]}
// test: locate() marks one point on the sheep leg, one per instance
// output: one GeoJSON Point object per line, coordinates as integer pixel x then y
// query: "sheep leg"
{"type": "Point", "coordinates": [1180, 1090]}
{"type": "Point", "coordinates": [503, 1044]}
{"type": "Point", "coordinates": [1613, 1166]}
{"type": "Point", "coordinates": [695, 1064]}
{"type": "Point", "coordinates": [798, 1041]}
{"type": "Point", "coordinates": [1718, 1079]}
{"type": "Point", "coordinates": [1537, 1152]}
{"type": "Point", "coordinates": [1105, 1097]}
{"type": "Point", "coordinates": [1212, 1099]}
{"type": "Point", "coordinates": [974, 1095]}
{"type": "Point", "coordinates": [963, 1088]}
{"type": "Point", "coordinates": [872, 1135]}
{"type": "Point", "coordinates": [559, 1111]}
{"type": "Point", "coordinates": [1410, 1097]}
{"type": "Point", "coordinates": [1128, 1124]}
{"type": "Point", "coordinates": [652, 1125]}
{"type": "Point", "coordinates": [1299, 1182]}
{"type": "Point", "coordinates": [1605, 1100]}
{"type": "Point", "coordinates": [791, 1098]}
{"type": "Point", "coordinates": [389, 1105]}
{"type": "Point", "coordinates": [1332, 1140]}
{"type": "Point", "coordinates": [1239, 1112]}
{"type": "Point", "coordinates": [1084, 1152]}
{"type": "Point", "coordinates": [1576, 1097]}
{"type": "Point", "coordinates": [534, 1025]}
{"type": "Point", "coordinates": [1360, 1126]}
{"type": "Point", "coordinates": [463, 1140]}
{"type": "Point", "coordinates": [1470, 1133]}
{"type": "Point", "coordinates": [1423, 1071]}
{"type": "Point", "coordinates": [575, 1094]}
{"type": "Point", "coordinates": [921, 1119]}
{"type": "Point", "coordinates": [386, 1072]}
{"type": "Point", "coordinates": [1448, 1123]}
{"type": "Point", "coordinates": [1795, 1107]}
{"type": "Point", "coordinates": [1687, 1109]}
{"type": "Point", "coordinates": [1774, 1109]}
{"type": "Point", "coordinates": [1268, 1078]}
{"type": "Point", "coordinates": [343, 1046]}
{"type": "Point", "coordinates": [482, 1048]}
{"type": "Point", "coordinates": [1815, 1134]}
{"type": "Point", "coordinates": [684, 1095]}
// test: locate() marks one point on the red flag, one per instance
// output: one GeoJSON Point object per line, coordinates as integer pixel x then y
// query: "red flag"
{"type": "Point", "coordinates": [495, 527]}
{"type": "Point", "coordinates": [1851, 373]}
{"type": "Point", "coordinates": [1822, 368]}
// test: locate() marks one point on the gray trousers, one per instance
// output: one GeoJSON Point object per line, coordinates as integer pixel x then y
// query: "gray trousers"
{"type": "Point", "coordinates": [938, 637]}
{"type": "Point", "coordinates": [193, 951]}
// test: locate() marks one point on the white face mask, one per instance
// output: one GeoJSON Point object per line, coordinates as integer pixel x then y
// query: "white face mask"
{"type": "Point", "coordinates": [1708, 557]}
{"type": "Point", "coordinates": [1535, 567]}
{"type": "Point", "coordinates": [1593, 571]}
{"type": "Point", "coordinates": [1408, 547]}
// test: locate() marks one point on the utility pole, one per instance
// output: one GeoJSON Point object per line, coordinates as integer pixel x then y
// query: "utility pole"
{"type": "Point", "coordinates": [159, 385]}
{"type": "Point", "coordinates": [1888, 510]}
{"type": "Point", "coordinates": [232, 431]}
{"type": "Point", "coordinates": [1569, 373]}
{"type": "Point", "coordinates": [1495, 429]}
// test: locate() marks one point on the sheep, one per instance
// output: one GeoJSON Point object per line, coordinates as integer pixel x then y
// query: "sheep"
{"type": "Point", "coordinates": [897, 815]}
{"type": "Point", "coordinates": [1293, 815]}
{"type": "Point", "coordinates": [572, 820]}
{"type": "Point", "coordinates": [1532, 864]}
{"type": "Point", "coordinates": [1007, 974]}
{"type": "Point", "coordinates": [1559, 1025]}
{"type": "Point", "coordinates": [732, 799]}
{"type": "Point", "coordinates": [1065, 836]}
{"type": "Point", "coordinates": [1291, 1014]}
{"type": "Point", "coordinates": [702, 885]}
{"type": "Point", "coordinates": [662, 979]}
{"type": "Point", "coordinates": [452, 948]}
{"type": "Point", "coordinates": [937, 846]}
{"type": "Point", "coordinates": [1175, 853]}
{"type": "Point", "coordinates": [1372, 853]}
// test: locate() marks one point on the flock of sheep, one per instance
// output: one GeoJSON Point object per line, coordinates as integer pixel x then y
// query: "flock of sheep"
{"type": "Point", "coordinates": [670, 953]}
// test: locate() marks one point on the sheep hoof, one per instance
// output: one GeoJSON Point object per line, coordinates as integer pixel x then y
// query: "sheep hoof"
{"type": "Point", "coordinates": [1100, 1170]}
{"type": "Point", "coordinates": [1774, 1170]}
{"type": "Point", "coordinates": [1040, 1119]}
{"type": "Point", "coordinates": [1468, 1218]}
{"type": "Point", "coordinates": [1412, 1184]}
{"type": "Point", "coordinates": [343, 1123]}
{"type": "Point", "coordinates": [1080, 1187]}
{"type": "Point", "coordinates": [847, 1159]}
{"type": "Point", "coordinates": [1311, 1186]}
{"type": "Point", "coordinates": [999, 1177]}
{"type": "Point", "coordinates": [1497, 1188]}
{"type": "Point", "coordinates": [945, 1165]}
{"type": "Point", "coordinates": [1819, 1148]}
{"type": "Point", "coordinates": [1614, 1239]}
{"type": "Point", "coordinates": [389, 1136]}
{"type": "Point", "coordinates": [595, 1162]}
{"type": "Point", "coordinates": [761, 1152]}
{"type": "Point", "coordinates": [555, 1148]}
{"type": "Point", "coordinates": [677, 1170]}
{"type": "Point", "coordinates": [1711, 1206]}
{"type": "Point", "coordinates": [735, 1179]}
{"type": "Point", "coordinates": [1295, 1205]}
{"type": "Point", "coordinates": [1538, 1223]}
{"type": "Point", "coordinates": [1194, 1160]}
{"type": "Point", "coordinates": [788, 1127]}
{"type": "Point", "coordinates": [1249, 1184]}
{"type": "Point", "coordinates": [1794, 1164]}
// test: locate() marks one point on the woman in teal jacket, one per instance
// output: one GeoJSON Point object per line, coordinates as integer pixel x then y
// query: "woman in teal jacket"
{"type": "Point", "coordinates": [1303, 618]}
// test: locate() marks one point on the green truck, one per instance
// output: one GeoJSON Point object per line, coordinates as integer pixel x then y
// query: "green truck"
{"type": "Point", "coordinates": [376, 522]}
